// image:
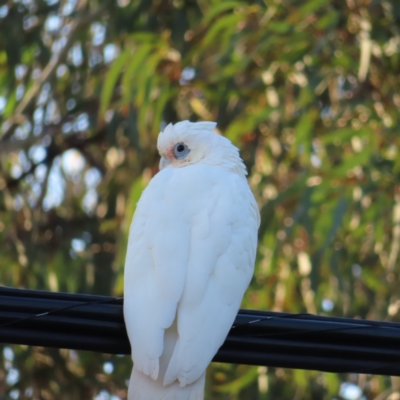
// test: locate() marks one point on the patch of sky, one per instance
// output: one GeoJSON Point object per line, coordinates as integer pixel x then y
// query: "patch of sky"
{"type": "Point", "coordinates": [46, 141]}
{"type": "Point", "coordinates": [38, 115]}
{"type": "Point", "coordinates": [36, 73]}
{"type": "Point", "coordinates": [12, 376]}
{"type": "Point", "coordinates": [52, 113]}
{"type": "Point", "coordinates": [3, 104]}
{"type": "Point", "coordinates": [92, 177]}
{"type": "Point", "coordinates": [20, 92]}
{"type": "Point", "coordinates": [327, 305]}
{"type": "Point", "coordinates": [71, 103]}
{"type": "Point", "coordinates": [95, 58]}
{"type": "Point", "coordinates": [40, 172]}
{"type": "Point", "coordinates": [108, 367]}
{"type": "Point", "coordinates": [53, 23]}
{"type": "Point", "coordinates": [104, 395]}
{"type": "Point", "coordinates": [34, 193]}
{"type": "Point", "coordinates": [81, 123]}
{"type": "Point", "coordinates": [98, 31]}
{"type": "Point", "coordinates": [72, 163]}
{"type": "Point", "coordinates": [89, 201]}
{"type": "Point", "coordinates": [4, 11]}
{"type": "Point", "coordinates": [44, 94]}
{"type": "Point", "coordinates": [187, 75]}
{"type": "Point", "coordinates": [29, 179]}
{"type": "Point", "coordinates": [55, 188]}
{"type": "Point", "coordinates": [8, 353]}
{"type": "Point", "coordinates": [67, 128]}
{"type": "Point", "coordinates": [69, 7]}
{"type": "Point", "coordinates": [78, 245]}
{"type": "Point", "coordinates": [20, 71]}
{"type": "Point", "coordinates": [29, 21]}
{"type": "Point", "coordinates": [22, 131]}
{"type": "Point", "coordinates": [75, 55]}
{"type": "Point", "coordinates": [76, 87]}
{"type": "Point", "coordinates": [58, 45]}
{"type": "Point", "coordinates": [5, 126]}
{"type": "Point", "coordinates": [315, 161]}
{"type": "Point", "coordinates": [14, 394]}
{"type": "Point", "coordinates": [16, 171]}
{"type": "Point", "coordinates": [37, 153]}
{"type": "Point", "coordinates": [24, 161]}
{"type": "Point", "coordinates": [350, 391]}
{"type": "Point", "coordinates": [66, 29]}
{"type": "Point", "coordinates": [27, 3]}
{"type": "Point", "coordinates": [328, 113]}
{"type": "Point", "coordinates": [62, 70]}
{"type": "Point", "coordinates": [110, 53]}
{"type": "Point", "coordinates": [37, 129]}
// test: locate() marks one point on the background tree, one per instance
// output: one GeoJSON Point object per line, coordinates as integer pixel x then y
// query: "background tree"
{"type": "Point", "coordinates": [310, 92]}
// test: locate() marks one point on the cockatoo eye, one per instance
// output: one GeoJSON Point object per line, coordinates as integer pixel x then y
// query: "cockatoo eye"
{"type": "Point", "coordinates": [181, 151]}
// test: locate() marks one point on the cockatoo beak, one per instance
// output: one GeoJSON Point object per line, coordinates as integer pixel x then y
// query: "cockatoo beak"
{"type": "Point", "coordinates": [164, 162]}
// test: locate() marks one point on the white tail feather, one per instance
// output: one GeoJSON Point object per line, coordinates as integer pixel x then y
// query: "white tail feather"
{"type": "Point", "coordinates": [142, 387]}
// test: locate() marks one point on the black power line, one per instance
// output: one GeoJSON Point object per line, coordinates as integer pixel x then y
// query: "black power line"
{"type": "Point", "coordinates": [86, 322]}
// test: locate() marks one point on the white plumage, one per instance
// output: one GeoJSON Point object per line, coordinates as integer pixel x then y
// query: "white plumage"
{"type": "Point", "coordinates": [190, 258]}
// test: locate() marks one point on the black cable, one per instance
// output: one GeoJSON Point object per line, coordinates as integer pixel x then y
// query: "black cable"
{"type": "Point", "coordinates": [86, 322]}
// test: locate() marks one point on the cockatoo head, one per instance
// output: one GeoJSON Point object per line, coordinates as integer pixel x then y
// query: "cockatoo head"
{"type": "Point", "coordinates": [188, 143]}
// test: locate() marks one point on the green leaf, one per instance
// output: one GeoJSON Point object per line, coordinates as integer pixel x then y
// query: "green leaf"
{"type": "Point", "coordinates": [311, 6]}
{"type": "Point", "coordinates": [238, 384]}
{"type": "Point", "coordinates": [329, 19]}
{"type": "Point", "coordinates": [144, 37]}
{"type": "Point", "coordinates": [245, 124]}
{"type": "Point", "coordinates": [337, 219]}
{"type": "Point", "coordinates": [111, 80]}
{"type": "Point", "coordinates": [11, 103]}
{"type": "Point", "coordinates": [221, 7]}
{"type": "Point", "coordinates": [166, 93]}
{"type": "Point", "coordinates": [350, 161]}
{"type": "Point", "coordinates": [224, 24]}
{"type": "Point", "coordinates": [345, 134]}
{"type": "Point", "coordinates": [279, 27]}
{"type": "Point", "coordinates": [138, 59]}
{"type": "Point", "coordinates": [332, 383]}
{"type": "Point", "coordinates": [268, 213]}
{"type": "Point", "coordinates": [3, 57]}
{"type": "Point", "coordinates": [146, 77]}
{"type": "Point", "coordinates": [304, 130]}
{"type": "Point", "coordinates": [336, 222]}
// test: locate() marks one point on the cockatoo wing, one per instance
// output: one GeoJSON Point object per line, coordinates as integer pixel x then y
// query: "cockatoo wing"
{"type": "Point", "coordinates": [223, 244]}
{"type": "Point", "coordinates": [190, 255]}
{"type": "Point", "coordinates": [155, 270]}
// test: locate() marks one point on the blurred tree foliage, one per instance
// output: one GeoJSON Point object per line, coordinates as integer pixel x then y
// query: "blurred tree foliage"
{"type": "Point", "coordinates": [310, 92]}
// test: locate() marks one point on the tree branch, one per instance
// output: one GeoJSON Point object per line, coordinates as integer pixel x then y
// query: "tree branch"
{"type": "Point", "coordinates": [48, 73]}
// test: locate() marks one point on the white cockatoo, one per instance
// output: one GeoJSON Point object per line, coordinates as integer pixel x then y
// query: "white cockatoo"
{"type": "Point", "coordinates": [190, 258]}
